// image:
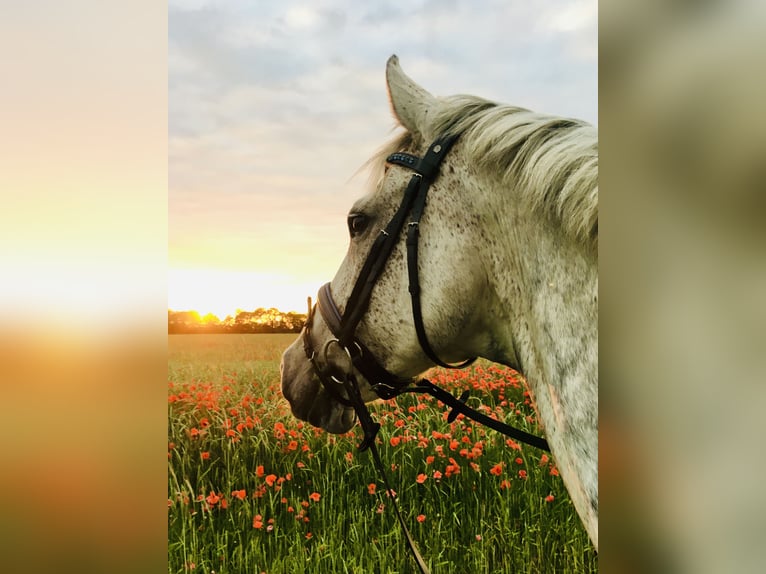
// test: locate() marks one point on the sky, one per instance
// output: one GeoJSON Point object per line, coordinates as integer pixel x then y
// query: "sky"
{"type": "Point", "coordinates": [273, 107]}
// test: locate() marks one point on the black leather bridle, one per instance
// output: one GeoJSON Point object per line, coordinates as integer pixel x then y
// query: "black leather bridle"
{"type": "Point", "coordinates": [336, 377]}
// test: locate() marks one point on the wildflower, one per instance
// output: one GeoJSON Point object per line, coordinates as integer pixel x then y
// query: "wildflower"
{"type": "Point", "coordinates": [258, 521]}
{"type": "Point", "coordinates": [205, 455]}
{"type": "Point", "coordinates": [478, 538]}
{"type": "Point", "coordinates": [421, 518]}
{"type": "Point", "coordinates": [523, 474]}
{"type": "Point", "coordinates": [549, 498]}
{"type": "Point", "coordinates": [371, 488]}
{"type": "Point", "coordinates": [505, 484]}
{"type": "Point", "coordinates": [429, 459]}
{"type": "Point", "coordinates": [270, 479]}
{"type": "Point", "coordinates": [212, 498]}
{"type": "Point", "coordinates": [309, 536]}
{"type": "Point", "coordinates": [519, 460]}
{"type": "Point", "coordinates": [241, 494]}
{"type": "Point", "coordinates": [194, 432]}
{"type": "Point", "coordinates": [497, 470]}
{"type": "Point", "coordinates": [315, 496]}
{"type": "Point", "coordinates": [513, 444]}
{"type": "Point", "coordinates": [259, 471]}
{"type": "Point", "coordinates": [554, 471]}
{"type": "Point", "coordinates": [437, 475]}
{"type": "Point", "coordinates": [544, 459]}
{"type": "Point", "coordinates": [421, 478]}
{"type": "Point", "coordinates": [395, 440]}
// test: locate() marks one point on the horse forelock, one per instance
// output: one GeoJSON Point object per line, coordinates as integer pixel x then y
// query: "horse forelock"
{"type": "Point", "coordinates": [551, 161]}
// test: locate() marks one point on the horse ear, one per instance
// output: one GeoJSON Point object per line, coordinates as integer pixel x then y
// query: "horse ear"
{"type": "Point", "coordinates": [410, 103]}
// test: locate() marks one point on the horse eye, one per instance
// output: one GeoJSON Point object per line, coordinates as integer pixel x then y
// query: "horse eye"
{"type": "Point", "coordinates": [357, 223]}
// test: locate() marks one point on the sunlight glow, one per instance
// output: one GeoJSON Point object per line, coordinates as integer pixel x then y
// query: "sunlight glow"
{"type": "Point", "coordinates": [223, 292]}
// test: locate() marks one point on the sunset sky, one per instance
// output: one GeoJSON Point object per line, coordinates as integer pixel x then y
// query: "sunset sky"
{"type": "Point", "coordinates": [274, 106]}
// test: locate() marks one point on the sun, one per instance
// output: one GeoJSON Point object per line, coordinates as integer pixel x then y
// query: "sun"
{"type": "Point", "coordinates": [224, 292]}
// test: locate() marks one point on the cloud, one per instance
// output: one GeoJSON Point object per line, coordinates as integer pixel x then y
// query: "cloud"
{"type": "Point", "coordinates": [274, 106]}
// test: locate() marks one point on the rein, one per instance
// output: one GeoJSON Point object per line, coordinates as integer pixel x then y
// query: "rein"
{"type": "Point", "coordinates": [338, 379]}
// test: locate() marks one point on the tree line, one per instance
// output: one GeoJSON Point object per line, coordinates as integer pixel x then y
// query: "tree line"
{"type": "Point", "coordinates": [259, 321]}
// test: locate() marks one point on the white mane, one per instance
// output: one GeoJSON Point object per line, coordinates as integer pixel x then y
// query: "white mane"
{"type": "Point", "coordinates": [552, 161]}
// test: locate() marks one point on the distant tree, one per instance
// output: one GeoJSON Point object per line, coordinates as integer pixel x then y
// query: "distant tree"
{"type": "Point", "coordinates": [260, 320]}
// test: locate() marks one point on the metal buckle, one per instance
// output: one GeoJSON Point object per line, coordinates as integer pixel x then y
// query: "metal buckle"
{"type": "Point", "coordinates": [348, 371]}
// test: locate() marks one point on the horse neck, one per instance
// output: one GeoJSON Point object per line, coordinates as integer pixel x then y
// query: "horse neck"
{"type": "Point", "coordinates": [546, 325]}
{"type": "Point", "coordinates": [547, 294]}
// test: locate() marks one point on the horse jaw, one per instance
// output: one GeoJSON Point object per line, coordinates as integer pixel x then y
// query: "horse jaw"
{"type": "Point", "coordinates": [410, 103]}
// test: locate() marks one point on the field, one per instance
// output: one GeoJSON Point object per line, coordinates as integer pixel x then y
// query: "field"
{"type": "Point", "coordinates": [252, 489]}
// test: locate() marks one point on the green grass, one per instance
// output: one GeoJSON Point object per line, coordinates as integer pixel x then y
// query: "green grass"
{"type": "Point", "coordinates": [229, 430]}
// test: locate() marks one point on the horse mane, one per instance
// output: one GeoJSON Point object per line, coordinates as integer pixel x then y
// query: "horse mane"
{"type": "Point", "coordinates": [552, 161]}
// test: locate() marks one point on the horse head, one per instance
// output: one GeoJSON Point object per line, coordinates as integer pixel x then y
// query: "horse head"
{"type": "Point", "coordinates": [455, 295]}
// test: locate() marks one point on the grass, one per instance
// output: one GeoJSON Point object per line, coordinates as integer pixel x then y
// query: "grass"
{"type": "Point", "coordinates": [251, 489]}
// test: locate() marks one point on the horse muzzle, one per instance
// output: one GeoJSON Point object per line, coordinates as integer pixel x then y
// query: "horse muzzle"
{"type": "Point", "coordinates": [308, 400]}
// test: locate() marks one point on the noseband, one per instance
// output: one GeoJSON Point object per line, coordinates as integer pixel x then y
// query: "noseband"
{"type": "Point", "coordinates": [336, 377]}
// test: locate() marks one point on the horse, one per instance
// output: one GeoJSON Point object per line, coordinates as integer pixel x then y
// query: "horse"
{"type": "Point", "coordinates": [506, 268]}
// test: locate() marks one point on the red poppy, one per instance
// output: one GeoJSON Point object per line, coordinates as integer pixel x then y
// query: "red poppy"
{"type": "Point", "coordinates": [315, 496]}
{"type": "Point", "coordinates": [421, 518]}
{"type": "Point", "coordinates": [259, 472]}
{"type": "Point", "coordinates": [270, 479]}
{"type": "Point", "coordinates": [497, 470]}
{"type": "Point", "coordinates": [258, 521]}
{"type": "Point", "coordinates": [241, 494]}
{"type": "Point", "coordinates": [421, 478]}
{"type": "Point", "coordinates": [371, 488]}
{"type": "Point", "coordinates": [549, 498]}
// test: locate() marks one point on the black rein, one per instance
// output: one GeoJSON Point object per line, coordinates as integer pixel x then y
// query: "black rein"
{"type": "Point", "coordinates": [337, 379]}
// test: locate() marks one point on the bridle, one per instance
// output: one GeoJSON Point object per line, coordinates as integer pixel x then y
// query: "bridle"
{"type": "Point", "coordinates": [336, 377]}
